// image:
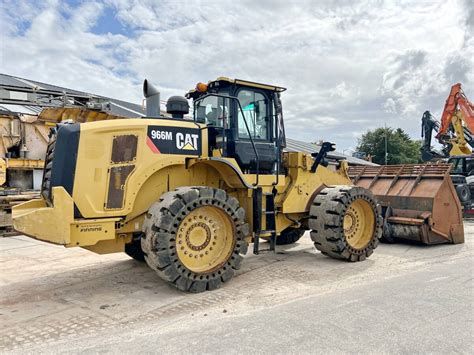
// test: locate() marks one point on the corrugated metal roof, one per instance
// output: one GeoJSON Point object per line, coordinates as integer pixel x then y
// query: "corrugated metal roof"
{"type": "Point", "coordinates": [117, 107]}
{"type": "Point", "coordinates": [24, 109]}
{"type": "Point", "coordinates": [13, 81]}
{"type": "Point", "coordinates": [8, 80]}
{"type": "Point", "coordinates": [127, 109]}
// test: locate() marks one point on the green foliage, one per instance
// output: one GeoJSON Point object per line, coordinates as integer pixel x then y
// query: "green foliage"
{"type": "Point", "coordinates": [400, 147]}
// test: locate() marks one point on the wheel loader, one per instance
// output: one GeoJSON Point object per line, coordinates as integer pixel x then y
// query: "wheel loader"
{"type": "Point", "coordinates": [189, 194]}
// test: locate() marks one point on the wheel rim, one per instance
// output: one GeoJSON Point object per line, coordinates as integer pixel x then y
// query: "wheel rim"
{"type": "Point", "coordinates": [359, 224]}
{"type": "Point", "coordinates": [205, 239]}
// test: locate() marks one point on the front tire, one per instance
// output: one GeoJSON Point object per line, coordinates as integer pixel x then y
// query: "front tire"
{"type": "Point", "coordinates": [194, 238]}
{"type": "Point", "coordinates": [346, 222]}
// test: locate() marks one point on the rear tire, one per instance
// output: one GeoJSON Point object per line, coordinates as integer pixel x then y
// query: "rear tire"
{"type": "Point", "coordinates": [346, 222]}
{"type": "Point", "coordinates": [464, 194]}
{"type": "Point", "coordinates": [289, 236]}
{"type": "Point", "coordinates": [194, 238]}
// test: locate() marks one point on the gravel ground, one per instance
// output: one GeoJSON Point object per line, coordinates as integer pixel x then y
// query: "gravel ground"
{"type": "Point", "coordinates": [403, 299]}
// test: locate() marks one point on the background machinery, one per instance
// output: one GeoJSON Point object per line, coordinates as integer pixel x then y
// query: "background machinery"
{"type": "Point", "coordinates": [454, 133]}
{"type": "Point", "coordinates": [188, 196]}
{"type": "Point", "coordinates": [458, 113]}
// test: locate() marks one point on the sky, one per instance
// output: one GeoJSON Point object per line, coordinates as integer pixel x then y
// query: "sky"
{"type": "Point", "coordinates": [349, 66]}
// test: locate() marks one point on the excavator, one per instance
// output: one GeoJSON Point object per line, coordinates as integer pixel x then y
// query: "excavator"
{"type": "Point", "coordinates": [188, 195]}
{"type": "Point", "coordinates": [454, 133]}
{"type": "Point", "coordinates": [458, 112]}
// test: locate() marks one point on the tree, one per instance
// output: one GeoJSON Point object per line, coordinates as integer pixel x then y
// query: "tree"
{"type": "Point", "coordinates": [400, 147]}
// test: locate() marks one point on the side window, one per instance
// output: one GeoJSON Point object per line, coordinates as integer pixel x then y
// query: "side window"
{"type": "Point", "coordinates": [212, 110]}
{"type": "Point", "coordinates": [255, 110]}
{"type": "Point", "coordinates": [457, 165]}
{"type": "Point", "coordinates": [469, 165]}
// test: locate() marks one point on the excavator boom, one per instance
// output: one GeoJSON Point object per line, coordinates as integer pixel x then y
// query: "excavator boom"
{"type": "Point", "coordinates": [456, 100]}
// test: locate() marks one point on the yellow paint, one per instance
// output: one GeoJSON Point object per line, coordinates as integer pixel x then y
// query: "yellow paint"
{"type": "Point", "coordinates": [56, 223]}
{"type": "Point", "coordinates": [90, 231]}
{"type": "Point", "coordinates": [459, 143]}
{"type": "Point", "coordinates": [153, 175]}
{"type": "Point", "coordinates": [359, 224]}
{"type": "Point", "coordinates": [205, 239]}
{"type": "Point", "coordinates": [109, 246]}
{"type": "Point", "coordinates": [302, 185]}
{"type": "Point", "coordinates": [46, 223]}
{"type": "Point", "coordinates": [21, 163]}
{"type": "Point", "coordinates": [3, 171]}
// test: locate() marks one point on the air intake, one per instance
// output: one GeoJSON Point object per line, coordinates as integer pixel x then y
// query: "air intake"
{"type": "Point", "coordinates": [177, 106]}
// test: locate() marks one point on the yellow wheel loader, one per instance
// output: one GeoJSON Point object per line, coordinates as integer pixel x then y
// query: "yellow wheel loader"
{"type": "Point", "coordinates": [189, 195]}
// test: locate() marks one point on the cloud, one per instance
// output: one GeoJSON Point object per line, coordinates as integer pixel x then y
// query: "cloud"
{"type": "Point", "coordinates": [348, 66]}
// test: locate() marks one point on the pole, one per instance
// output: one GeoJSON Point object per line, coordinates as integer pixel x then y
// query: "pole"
{"type": "Point", "coordinates": [386, 138]}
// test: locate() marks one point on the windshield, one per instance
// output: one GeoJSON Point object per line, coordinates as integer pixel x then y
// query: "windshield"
{"type": "Point", "coordinates": [462, 165]}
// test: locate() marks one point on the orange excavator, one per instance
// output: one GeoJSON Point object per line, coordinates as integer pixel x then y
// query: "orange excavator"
{"type": "Point", "coordinates": [458, 113]}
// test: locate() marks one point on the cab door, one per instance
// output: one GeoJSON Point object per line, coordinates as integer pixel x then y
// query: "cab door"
{"type": "Point", "coordinates": [254, 123]}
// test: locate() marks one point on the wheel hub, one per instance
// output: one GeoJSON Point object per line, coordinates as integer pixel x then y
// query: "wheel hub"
{"type": "Point", "coordinates": [198, 236]}
{"type": "Point", "coordinates": [205, 239]}
{"type": "Point", "coordinates": [359, 224]}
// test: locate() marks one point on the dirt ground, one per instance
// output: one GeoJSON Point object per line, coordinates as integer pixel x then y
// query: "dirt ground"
{"type": "Point", "coordinates": [404, 298]}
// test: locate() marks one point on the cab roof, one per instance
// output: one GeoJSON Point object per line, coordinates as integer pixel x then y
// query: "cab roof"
{"type": "Point", "coordinates": [250, 83]}
{"type": "Point", "coordinates": [229, 81]}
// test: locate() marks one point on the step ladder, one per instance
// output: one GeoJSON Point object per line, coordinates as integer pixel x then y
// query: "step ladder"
{"type": "Point", "coordinates": [270, 219]}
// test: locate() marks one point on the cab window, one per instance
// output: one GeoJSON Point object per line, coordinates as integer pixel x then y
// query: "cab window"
{"type": "Point", "coordinates": [469, 166]}
{"type": "Point", "coordinates": [457, 166]}
{"type": "Point", "coordinates": [213, 111]}
{"type": "Point", "coordinates": [255, 110]}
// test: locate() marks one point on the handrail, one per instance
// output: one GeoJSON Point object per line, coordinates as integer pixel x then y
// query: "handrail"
{"type": "Point", "coordinates": [278, 111]}
{"type": "Point", "coordinates": [246, 126]}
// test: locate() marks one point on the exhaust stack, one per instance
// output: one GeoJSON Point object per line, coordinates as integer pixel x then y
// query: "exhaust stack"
{"type": "Point", "coordinates": [152, 96]}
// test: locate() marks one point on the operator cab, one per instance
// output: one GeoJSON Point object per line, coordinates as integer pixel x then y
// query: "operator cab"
{"type": "Point", "coordinates": [462, 165]}
{"type": "Point", "coordinates": [244, 120]}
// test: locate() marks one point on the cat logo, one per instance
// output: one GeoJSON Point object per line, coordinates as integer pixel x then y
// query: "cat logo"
{"type": "Point", "coordinates": [186, 141]}
{"type": "Point", "coordinates": [174, 140]}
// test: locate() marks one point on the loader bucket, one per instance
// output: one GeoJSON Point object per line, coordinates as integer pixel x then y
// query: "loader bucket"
{"type": "Point", "coordinates": [419, 201]}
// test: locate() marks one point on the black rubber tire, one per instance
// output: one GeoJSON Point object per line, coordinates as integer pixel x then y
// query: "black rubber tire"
{"type": "Point", "coordinates": [464, 194]}
{"type": "Point", "coordinates": [134, 249]}
{"type": "Point", "coordinates": [387, 235]}
{"type": "Point", "coordinates": [163, 220]}
{"type": "Point", "coordinates": [326, 221]}
{"type": "Point", "coordinates": [289, 236]}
